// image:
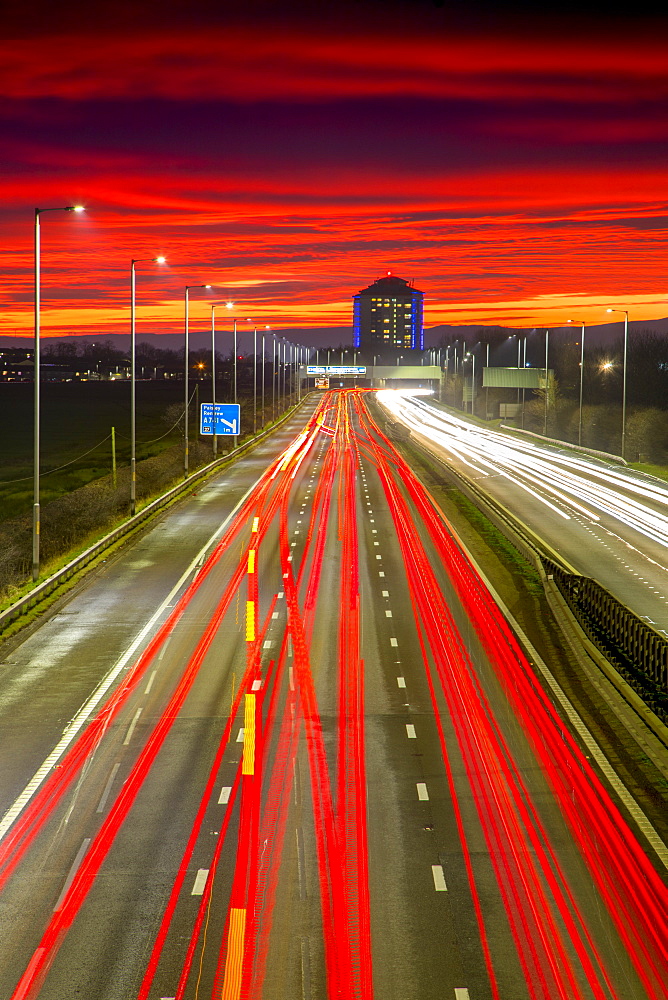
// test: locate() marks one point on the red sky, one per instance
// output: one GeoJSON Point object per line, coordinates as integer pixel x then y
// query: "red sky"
{"type": "Point", "coordinates": [514, 168]}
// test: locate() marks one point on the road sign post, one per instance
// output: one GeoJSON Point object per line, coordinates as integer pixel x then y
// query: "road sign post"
{"type": "Point", "coordinates": [220, 418]}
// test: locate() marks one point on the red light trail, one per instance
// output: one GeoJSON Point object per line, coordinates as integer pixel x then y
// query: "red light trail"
{"type": "Point", "coordinates": [497, 730]}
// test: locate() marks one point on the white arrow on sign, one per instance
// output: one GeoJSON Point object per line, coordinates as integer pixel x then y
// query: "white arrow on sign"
{"type": "Point", "coordinates": [229, 423]}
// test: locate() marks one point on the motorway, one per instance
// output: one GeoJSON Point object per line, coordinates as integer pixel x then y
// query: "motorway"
{"type": "Point", "coordinates": [607, 522]}
{"type": "Point", "coordinates": [286, 746]}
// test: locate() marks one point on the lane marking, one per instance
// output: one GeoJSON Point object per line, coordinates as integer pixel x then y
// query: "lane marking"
{"type": "Point", "coordinates": [401, 682]}
{"type": "Point", "coordinates": [200, 882]}
{"type": "Point", "coordinates": [423, 794]}
{"type": "Point", "coordinates": [224, 796]}
{"type": "Point", "coordinates": [107, 788]}
{"type": "Point", "coordinates": [256, 685]}
{"type": "Point", "coordinates": [461, 993]}
{"type": "Point", "coordinates": [381, 573]}
{"type": "Point", "coordinates": [267, 644]}
{"type": "Point", "coordinates": [150, 682]}
{"type": "Point", "coordinates": [439, 878]}
{"type": "Point", "coordinates": [301, 862]}
{"type": "Point", "coordinates": [388, 614]}
{"type": "Point", "coordinates": [240, 735]}
{"type": "Point", "coordinates": [393, 642]}
{"type": "Point", "coordinates": [99, 693]}
{"type": "Point", "coordinates": [248, 754]}
{"type": "Point", "coordinates": [72, 872]}
{"type": "Point", "coordinates": [410, 731]}
{"type": "Point", "coordinates": [378, 557]}
{"type": "Point", "coordinates": [131, 728]}
{"type": "Point", "coordinates": [385, 593]}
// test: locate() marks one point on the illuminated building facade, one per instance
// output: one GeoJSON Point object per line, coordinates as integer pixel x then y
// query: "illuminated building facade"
{"type": "Point", "coordinates": [387, 316]}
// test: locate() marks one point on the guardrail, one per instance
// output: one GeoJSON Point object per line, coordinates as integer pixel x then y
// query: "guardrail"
{"type": "Point", "coordinates": [567, 444]}
{"type": "Point", "coordinates": [46, 587]}
{"type": "Point", "coordinates": [637, 651]}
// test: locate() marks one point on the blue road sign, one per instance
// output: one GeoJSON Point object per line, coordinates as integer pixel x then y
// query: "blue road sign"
{"type": "Point", "coordinates": [225, 421]}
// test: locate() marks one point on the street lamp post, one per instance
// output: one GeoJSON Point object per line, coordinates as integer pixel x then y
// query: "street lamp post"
{"type": "Point", "coordinates": [471, 355]}
{"type": "Point", "coordinates": [582, 365]}
{"type": "Point", "coordinates": [264, 419]}
{"type": "Point", "coordinates": [185, 371]}
{"type": "Point", "coordinates": [228, 305]}
{"type": "Point", "coordinates": [133, 378]}
{"type": "Point", "coordinates": [37, 386]}
{"type": "Point", "coordinates": [547, 382]}
{"type": "Point", "coordinates": [254, 380]}
{"type": "Point", "coordinates": [626, 344]}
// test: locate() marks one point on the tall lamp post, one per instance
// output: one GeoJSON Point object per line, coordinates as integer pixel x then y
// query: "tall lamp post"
{"type": "Point", "coordinates": [186, 372]}
{"type": "Point", "coordinates": [626, 344]}
{"type": "Point", "coordinates": [547, 381]}
{"type": "Point", "coordinates": [264, 418]}
{"type": "Point", "coordinates": [582, 366]}
{"type": "Point", "coordinates": [133, 378]}
{"type": "Point", "coordinates": [36, 386]}
{"type": "Point", "coordinates": [471, 355]}
{"type": "Point", "coordinates": [228, 305]}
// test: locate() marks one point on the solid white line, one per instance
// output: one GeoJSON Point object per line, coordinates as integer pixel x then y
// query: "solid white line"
{"type": "Point", "coordinates": [224, 796]}
{"type": "Point", "coordinates": [131, 728]}
{"type": "Point", "coordinates": [72, 872]}
{"type": "Point", "coordinates": [89, 706]}
{"type": "Point", "coordinates": [150, 682]}
{"type": "Point", "coordinates": [200, 882]}
{"type": "Point", "coordinates": [410, 731]}
{"type": "Point", "coordinates": [401, 682]}
{"type": "Point", "coordinates": [439, 878]}
{"type": "Point", "coordinates": [107, 788]}
{"type": "Point", "coordinates": [423, 794]}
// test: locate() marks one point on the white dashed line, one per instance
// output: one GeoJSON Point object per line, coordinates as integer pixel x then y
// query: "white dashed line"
{"type": "Point", "coordinates": [388, 613]}
{"type": "Point", "coordinates": [240, 735]}
{"type": "Point", "coordinates": [401, 682]}
{"type": "Point", "coordinates": [410, 731]}
{"type": "Point", "coordinates": [200, 882]}
{"type": "Point", "coordinates": [439, 879]}
{"type": "Point", "coordinates": [423, 794]}
{"type": "Point", "coordinates": [131, 728]}
{"type": "Point", "coordinates": [393, 642]}
{"type": "Point", "coordinates": [224, 796]}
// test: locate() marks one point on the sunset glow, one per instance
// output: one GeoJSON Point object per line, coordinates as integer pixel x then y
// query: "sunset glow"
{"type": "Point", "coordinates": [515, 179]}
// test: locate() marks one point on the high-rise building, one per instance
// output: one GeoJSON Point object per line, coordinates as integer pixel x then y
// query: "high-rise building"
{"type": "Point", "coordinates": [387, 316]}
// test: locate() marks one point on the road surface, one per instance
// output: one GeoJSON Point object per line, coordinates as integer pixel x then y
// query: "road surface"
{"type": "Point", "coordinates": [324, 770]}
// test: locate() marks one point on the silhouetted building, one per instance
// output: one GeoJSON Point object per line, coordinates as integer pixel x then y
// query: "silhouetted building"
{"type": "Point", "coordinates": [387, 317]}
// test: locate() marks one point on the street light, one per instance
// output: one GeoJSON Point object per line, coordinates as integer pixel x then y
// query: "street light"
{"type": "Point", "coordinates": [247, 320]}
{"type": "Point", "coordinates": [36, 386]}
{"type": "Point", "coordinates": [471, 355]}
{"type": "Point", "coordinates": [626, 342]}
{"type": "Point", "coordinates": [582, 365]}
{"type": "Point", "coordinates": [264, 419]}
{"type": "Point", "coordinates": [133, 379]}
{"type": "Point", "coordinates": [185, 369]}
{"type": "Point", "coordinates": [228, 305]}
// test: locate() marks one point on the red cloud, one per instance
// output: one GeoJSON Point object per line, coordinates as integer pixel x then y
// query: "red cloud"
{"type": "Point", "coordinates": [247, 64]}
